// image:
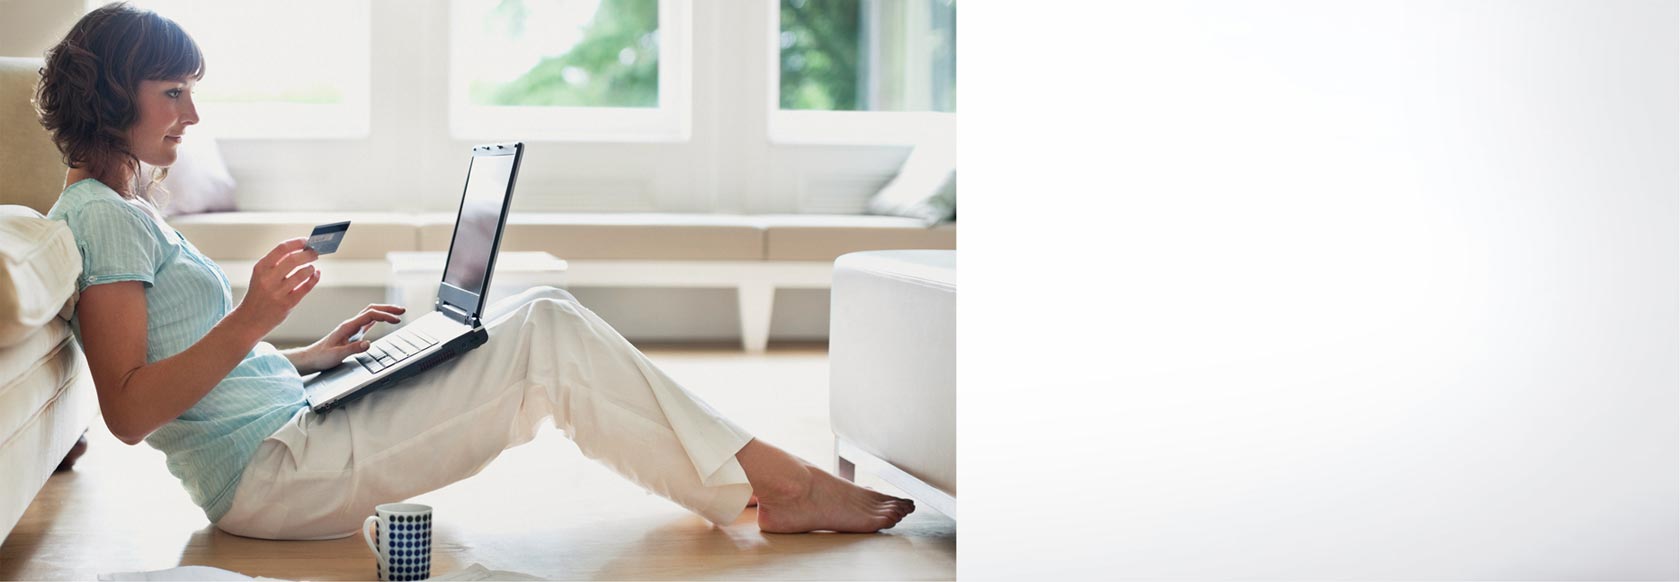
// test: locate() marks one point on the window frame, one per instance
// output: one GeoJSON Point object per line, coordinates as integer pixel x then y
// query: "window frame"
{"type": "Point", "coordinates": [671, 121]}
{"type": "Point", "coordinates": [870, 128]}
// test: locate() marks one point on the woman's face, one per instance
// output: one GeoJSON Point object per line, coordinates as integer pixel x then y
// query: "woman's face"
{"type": "Point", "coordinates": [166, 109]}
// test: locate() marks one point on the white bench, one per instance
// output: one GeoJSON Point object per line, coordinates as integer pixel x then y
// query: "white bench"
{"type": "Point", "coordinates": [753, 254]}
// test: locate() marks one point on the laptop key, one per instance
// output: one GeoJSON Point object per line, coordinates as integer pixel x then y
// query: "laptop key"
{"type": "Point", "coordinates": [409, 343]}
{"type": "Point", "coordinates": [398, 349]}
{"type": "Point", "coordinates": [430, 341]}
{"type": "Point", "coordinates": [388, 361]}
{"type": "Point", "coordinates": [371, 364]}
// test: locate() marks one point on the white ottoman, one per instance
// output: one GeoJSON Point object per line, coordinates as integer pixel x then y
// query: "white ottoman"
{"type": "Point", "coordinates": [892, 353]}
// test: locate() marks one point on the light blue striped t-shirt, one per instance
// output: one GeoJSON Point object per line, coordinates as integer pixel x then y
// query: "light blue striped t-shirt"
{"type": "Point", "coordinates": [208, 446]}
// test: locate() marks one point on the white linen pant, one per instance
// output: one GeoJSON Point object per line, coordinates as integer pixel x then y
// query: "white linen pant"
{"type": "Point", "coordinates": [547, 358]}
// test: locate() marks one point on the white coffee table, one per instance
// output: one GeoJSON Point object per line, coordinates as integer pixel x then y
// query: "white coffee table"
{"type": "Point", "coordinates": [412, 277]}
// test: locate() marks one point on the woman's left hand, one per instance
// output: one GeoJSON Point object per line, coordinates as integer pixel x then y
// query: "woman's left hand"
{"type": "Point", "coordinates": [336, 346]}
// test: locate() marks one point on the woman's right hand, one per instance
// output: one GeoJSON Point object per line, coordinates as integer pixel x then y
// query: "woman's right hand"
{"type": "Point", "coordinates": [275, 288]}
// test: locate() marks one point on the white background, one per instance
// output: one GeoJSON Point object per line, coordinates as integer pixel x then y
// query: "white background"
{"type": "Point", "coordinates": [1320, 290]}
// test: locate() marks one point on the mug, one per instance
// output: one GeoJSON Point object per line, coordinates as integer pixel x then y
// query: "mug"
{"type": "Point", "coordinates": [402, 540]}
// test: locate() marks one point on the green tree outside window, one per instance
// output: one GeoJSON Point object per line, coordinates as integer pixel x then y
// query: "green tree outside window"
{"type": "Point", "coordinates": [616, 64]}
{"type": "Point", "coordinates": [832, 51]}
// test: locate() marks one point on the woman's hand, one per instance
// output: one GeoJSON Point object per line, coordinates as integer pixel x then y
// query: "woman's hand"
{"type": "Point", "coordinates": [331, 350]}
{"type": "Point", "coordinates": [275, 287]}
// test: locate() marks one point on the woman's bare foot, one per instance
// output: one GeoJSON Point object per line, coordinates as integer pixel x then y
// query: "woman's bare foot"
{"type": "Point", "coordinates": [795, 496]}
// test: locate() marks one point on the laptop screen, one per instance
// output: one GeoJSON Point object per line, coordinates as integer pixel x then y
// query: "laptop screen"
{"type": "Point", "coordinates": [479, 219]}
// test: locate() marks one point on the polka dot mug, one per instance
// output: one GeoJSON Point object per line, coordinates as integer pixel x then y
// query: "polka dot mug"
{"type": "Point", "coordinates": [401, 541]}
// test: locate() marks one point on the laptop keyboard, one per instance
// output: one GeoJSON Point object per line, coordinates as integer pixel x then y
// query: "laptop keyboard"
{"type": "Point", "coordinates": [389, 350]}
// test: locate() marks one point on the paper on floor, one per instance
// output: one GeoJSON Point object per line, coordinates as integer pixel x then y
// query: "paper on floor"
{"type": "Point", "coordinates": [183, 573]}
{"type": "Point", "coordinates": [478, 572]}
{"type": "Point", "coordinates": [206, 573]}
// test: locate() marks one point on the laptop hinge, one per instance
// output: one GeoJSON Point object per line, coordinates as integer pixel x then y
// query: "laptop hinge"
{"type": "Point", "coordinates": [457, 314]}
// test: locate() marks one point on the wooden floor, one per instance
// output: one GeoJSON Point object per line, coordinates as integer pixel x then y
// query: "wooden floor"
{"type": "Point", "coordinates": [541, 509]}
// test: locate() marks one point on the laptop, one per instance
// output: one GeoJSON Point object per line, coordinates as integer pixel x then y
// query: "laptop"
{"type": "Point", "coordinates": [457, 325]}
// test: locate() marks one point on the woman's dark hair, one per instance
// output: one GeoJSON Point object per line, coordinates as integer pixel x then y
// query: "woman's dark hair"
{"type": "Point", "coordinates": [91, 81]}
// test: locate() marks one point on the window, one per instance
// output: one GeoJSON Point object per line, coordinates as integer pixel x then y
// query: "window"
{"type": "Point", "coordinates": [278, 69]}
{"type": "Point", "coordinates": [872, 71]}
{"type": "Point", "coordinates": [569, 69]}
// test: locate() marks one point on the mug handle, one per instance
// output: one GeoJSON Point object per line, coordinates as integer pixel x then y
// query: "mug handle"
{"type": "Point", "coordinates": [368, 537]}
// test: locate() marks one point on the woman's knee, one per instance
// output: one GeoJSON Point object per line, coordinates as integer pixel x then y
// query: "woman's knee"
{"type": "Point", "coordinates": [556, 304]}
{"type": "Point", "coordinates": [534, 294]}
{"type": "Point", "coordinates": [522, 300]}
{"type": "Point", "coordinates": [550, 292]}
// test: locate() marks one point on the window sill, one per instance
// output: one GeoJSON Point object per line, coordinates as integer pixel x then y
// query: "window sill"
{"type": "Point", "coordinates": [869, 128]}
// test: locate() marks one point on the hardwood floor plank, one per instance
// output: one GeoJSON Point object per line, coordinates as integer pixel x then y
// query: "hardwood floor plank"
{"type": "Point", "coordinates": [542, 508]}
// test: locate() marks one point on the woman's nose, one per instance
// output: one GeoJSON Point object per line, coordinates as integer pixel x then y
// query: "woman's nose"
{"type": "Point", "coordinates": [190, 115]}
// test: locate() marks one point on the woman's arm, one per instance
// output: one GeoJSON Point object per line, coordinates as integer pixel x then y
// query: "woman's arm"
{"type": "Point", "coordinates": [135, 397]}
{"type": "Point", "coordinates": [296, 357]}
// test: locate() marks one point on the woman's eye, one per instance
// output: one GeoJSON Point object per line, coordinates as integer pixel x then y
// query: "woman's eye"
{"type": "Point", "coordinates": [173, 93]}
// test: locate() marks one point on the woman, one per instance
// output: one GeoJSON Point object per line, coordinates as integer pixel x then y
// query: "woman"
{"type": "Point", "coordinates": [176, 364]}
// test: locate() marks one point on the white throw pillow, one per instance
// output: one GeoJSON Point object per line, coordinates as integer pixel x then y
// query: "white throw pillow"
{"type": "Point", "coordinates": [199, 181]}
{"type": "Point", "coordinates": [925, 187]}
{"type": "Point", "coordinates": [39, 264]}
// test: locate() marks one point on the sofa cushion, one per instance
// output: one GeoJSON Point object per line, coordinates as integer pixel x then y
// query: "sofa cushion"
{"type": "Point", "coordinates": [250, 235]}
{"type": "Point", "coordinates": [31, 169]}
{"type": "Point", "coordinates": [39, 264]}
{"type": "Point", "coordinates": [31, 371]}
{"type": "Point", "coordinates": [823, 237]}
{"type": "Point", "coordinates": [925, 187]}
{"type": "Point", "coordinates": [46, 406]}
{"type": "Point", "coordinates": [618, 236]}
{"type": "Point", "coordinates": [199, 181]}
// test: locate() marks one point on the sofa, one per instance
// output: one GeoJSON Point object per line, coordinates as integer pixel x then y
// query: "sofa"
{"type": "Point", "coordinates": [892, 356]}
{"type": "Point", "coordinates": [47, 399]}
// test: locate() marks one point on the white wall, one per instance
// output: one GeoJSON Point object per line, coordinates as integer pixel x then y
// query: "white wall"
{"type": "Point", "coordinates": [1385, 290]}
{"type": "Point", "coordinates": [29, 27]}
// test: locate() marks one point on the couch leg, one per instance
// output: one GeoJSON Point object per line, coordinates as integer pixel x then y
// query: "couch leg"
{"type": "Point", "coordinates": [76, 452]}
{"type": "Point", "coordinates": [756, 301]}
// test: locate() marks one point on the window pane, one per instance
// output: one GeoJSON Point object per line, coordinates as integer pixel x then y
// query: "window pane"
{"type": "Point", "coordinates": [272, 52]}
{"type": "Point", "coordinates": [574, 53]}
{"type": "Point", "coordinates": [869, 55]}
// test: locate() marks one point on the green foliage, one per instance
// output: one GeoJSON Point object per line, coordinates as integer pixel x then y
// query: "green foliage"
{"type": "Point", "coordinates": [617, 62]}
{"type": "Point", "coordinates": [622, 30]}
{"type": "Point", "coordinates": [820, 66]}
{"type": "Point", "coordinates": [824, 58]}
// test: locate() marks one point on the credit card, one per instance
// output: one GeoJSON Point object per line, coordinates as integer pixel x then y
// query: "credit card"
{"type": "Point", "coordinates": [326, 237]}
